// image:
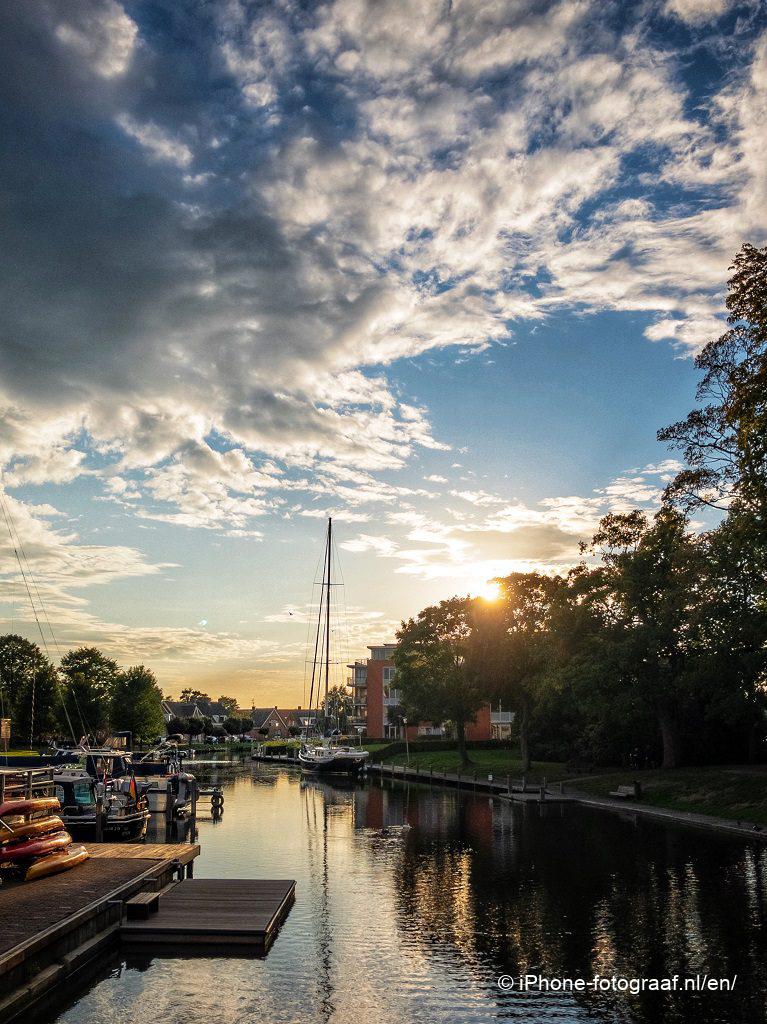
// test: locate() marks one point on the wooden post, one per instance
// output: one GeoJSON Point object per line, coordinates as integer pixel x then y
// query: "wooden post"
{"type": "Point", "coordinates": [29, 785]}
{"type": "Point", "coordinates": [168, 809]}
{"type": "Point", "coordinates": [524, 783]}
{"type": "Point", "coordinates": [508, 784]}
{"type": "Point", "coordinates": [193, 815]}
{"type": "Point", "coordinates": [99, 812]}
{"type": "Point", "coordinates": [2, 787]}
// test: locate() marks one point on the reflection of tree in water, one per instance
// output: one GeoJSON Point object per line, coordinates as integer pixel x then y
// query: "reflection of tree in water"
{"type": "Point", "coordinates": [565, 892]}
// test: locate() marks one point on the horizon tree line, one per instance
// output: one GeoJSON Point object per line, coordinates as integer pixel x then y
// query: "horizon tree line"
{"type": "Point", "coordinates": [653, 649]}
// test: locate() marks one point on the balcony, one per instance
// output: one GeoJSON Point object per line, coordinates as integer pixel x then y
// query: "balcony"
{"type": "Point", "coordinates": [391, 702]}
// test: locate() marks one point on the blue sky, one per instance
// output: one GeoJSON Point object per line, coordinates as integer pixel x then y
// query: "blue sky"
{"type": "Point", "coordinates": [437, 269]}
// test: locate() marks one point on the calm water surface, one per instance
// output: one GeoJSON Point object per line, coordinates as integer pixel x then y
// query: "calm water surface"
{"type": "Point", "coordinates": [417, 925]}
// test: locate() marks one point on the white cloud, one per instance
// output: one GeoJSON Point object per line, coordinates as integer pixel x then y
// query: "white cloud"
{"type": "Point", "coordinates": [157, 142]}
{"type": "Point", "coordinates": [696, 12]}
{"type": "Point", "coordinates": [104, 36]}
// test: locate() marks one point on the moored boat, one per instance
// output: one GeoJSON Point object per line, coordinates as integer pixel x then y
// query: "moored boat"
{"type": "Point", "coordinates": [324, 759]}
{"type": "Point", "coordinates": [323, 756]}
{"type": "Point", "coordinates": [124, 814]}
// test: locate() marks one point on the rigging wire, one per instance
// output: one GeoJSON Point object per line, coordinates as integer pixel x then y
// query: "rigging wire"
{"type": "Point", "coordinates": [17, 545]}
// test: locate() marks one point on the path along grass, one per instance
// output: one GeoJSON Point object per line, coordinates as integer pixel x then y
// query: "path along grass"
{"type": "Point", "coordinates": [737, 792]}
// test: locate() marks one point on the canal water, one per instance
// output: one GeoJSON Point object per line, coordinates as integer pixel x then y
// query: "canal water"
{"type": "Point", "coordinates": [394, 925]}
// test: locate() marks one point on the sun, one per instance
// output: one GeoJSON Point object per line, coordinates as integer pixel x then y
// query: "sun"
{"type": "Point", "coordinates": [488, 590]}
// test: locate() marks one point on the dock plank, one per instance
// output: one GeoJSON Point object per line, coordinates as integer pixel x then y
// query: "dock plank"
{"type": "Point", "coordinates": [27, 908]}
{"type": "Point", "coordinates": [229, 911]}
{"type": "Point", "coordinates": [183, 852]}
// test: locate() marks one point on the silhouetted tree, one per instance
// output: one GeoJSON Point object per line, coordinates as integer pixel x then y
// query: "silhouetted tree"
{"type": "Point", "coordinates": [437, 680]}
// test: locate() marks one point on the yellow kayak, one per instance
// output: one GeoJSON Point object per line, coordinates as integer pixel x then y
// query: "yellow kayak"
{"type": "Point", "coordinates": [31, 829]}
{"type": "Point", "coordinates": [55, 862]}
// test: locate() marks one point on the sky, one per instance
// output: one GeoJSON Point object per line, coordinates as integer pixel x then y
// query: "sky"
{"type": "Point", "coordinates": [437, 269]}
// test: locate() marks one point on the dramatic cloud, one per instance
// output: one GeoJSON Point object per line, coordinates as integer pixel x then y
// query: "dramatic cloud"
{"type": "Point", "coordinates": [227, 227]}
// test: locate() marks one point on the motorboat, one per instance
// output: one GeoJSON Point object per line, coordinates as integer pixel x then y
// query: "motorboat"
{"type": "Point", "coordinates": [162, 772]}
{"type": "Point", "coordinates": [125, 810]}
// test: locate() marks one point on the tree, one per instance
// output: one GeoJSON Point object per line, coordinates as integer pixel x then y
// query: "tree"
{"type": "Point", "coordinates": [89, 680]}
{"type": "Point", "coordinates": [649, 578]}
{"type": "Point", "coordinates": [725, 441]}
{"type": "Point", "coordinates": [731, 680]}
{"type": "Point", "coordinates": [193, 726]}
{"type": "Point", "coordinates": [512, 644]}
{"type": "Point", "coordinates": [435, 675]}
{"type": "Point", "coordinates": [176, 726]}
{"type": "Point", "coordinates": [230, 705]}
{"type": "Point", "coordinates": [191, 696]}
{"type": "Point", "coordinates": [338, 707]}
{"type": "Point", "coordinates": [137, 703]}
{"type": "Point", "coordinates": [28, 689]}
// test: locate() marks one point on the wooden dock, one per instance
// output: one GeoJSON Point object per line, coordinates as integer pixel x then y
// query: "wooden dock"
{"type": "Point", "coordinates": [206, 912]}
{"type": "Point", "coordinates": [54, 928]}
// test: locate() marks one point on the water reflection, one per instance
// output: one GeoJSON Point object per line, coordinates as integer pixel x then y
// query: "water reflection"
{"type": "Point", "coordinates": [412, 901]}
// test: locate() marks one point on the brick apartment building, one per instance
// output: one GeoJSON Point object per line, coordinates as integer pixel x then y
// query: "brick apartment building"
{"type": "Point", "coordinates": [377, 700]}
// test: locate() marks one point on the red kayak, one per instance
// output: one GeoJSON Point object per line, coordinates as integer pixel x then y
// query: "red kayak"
{"type": "Point", "coordinates": [10, 808]}
{"type": "Point", "coordinates": [34, 848]}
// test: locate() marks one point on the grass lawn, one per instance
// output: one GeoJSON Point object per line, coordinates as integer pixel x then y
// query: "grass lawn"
{"type": "Point", "coordinates": [737, 792]}
{"type": "Point", "coordinates": [497, 762]}
{"type": "Point", "coordinates": [19, 753]}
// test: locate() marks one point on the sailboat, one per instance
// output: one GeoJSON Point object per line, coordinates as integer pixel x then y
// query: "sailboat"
{"type": "Point", "coordinates": [324, 756]}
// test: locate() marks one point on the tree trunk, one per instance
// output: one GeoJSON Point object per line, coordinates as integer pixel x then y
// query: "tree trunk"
{"type": "Point", "coordinates": [670, 738]}
{"type": "Point", "coordinates": [524, 735]}
{"type": "Point", "coordinates": [753, 737]}
{"type": "Point", "coordinates": [460, 729]}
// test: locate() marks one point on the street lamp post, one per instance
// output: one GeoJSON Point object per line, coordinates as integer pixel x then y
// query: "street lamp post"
{"type": "Point", "coordinates": [407, 744]}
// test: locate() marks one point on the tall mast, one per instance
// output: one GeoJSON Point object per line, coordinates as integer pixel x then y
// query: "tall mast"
{"type": "Point", "coordinates": [327, 612]}
{"type": "Point", "coordinates": [317, 669]}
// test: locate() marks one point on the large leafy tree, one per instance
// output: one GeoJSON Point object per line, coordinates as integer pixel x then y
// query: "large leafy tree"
{"type": "Point", "coordinates": [230, 705]}
{"type": "Point", "coordinates": [28, 689]}
{"type": "Point", "coordinates": [137, 703]}
{"type": "Point", "coordinates": [190, 695]}
{"type": "Point", "coordinates": [731, 677]}
{"type": "Point", "coordinates": [650, 579]}
{"type": "Point", "coordinates": [724, 441]}
{"type": "Point", "coordinates": [512, 643]}
{"type": "Point", "coordinates": [436, 675]}
{"type": "Point", "coordinates": [89, 679]}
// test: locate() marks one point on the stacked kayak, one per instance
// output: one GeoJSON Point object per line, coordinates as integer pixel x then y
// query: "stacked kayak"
{"type": "Point", "coordinates": [33, 840]}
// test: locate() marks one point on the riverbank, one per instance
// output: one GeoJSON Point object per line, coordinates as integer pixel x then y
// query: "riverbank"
{"type": "Point", "coordinates": [736, 793]}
